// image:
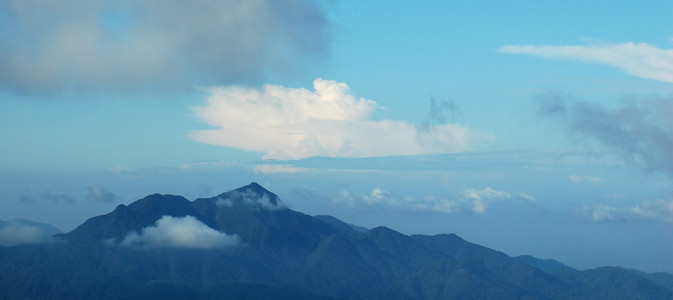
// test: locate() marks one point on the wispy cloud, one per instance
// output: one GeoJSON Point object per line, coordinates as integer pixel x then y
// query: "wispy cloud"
{"type": "Point", "coordinates": [185, 232]}
{"type": "Point", "coordinates": [121, 45]}
{"type": "Point", "coordinates": [641, 132]}
{"type": "Point", "coordinates": [98, 193]}
{"type": "Point", "coordinates": [638, 59]}
{"type": "Point", "coordinates": [286, 123]}
{"type": "Point", "coordinates": [647, 209]}
{"type": "Point", "coordinates": [31, 198]}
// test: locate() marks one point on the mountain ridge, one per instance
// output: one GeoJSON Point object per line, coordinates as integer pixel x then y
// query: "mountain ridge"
{"type": "Point", "coordinates": [269, 247]}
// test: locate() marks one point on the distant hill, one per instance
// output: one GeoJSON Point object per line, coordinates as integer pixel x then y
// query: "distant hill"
{"type": "Point", "coordinates": [246, 244]}
{"type": "Point", "coordinates": [20, 231]}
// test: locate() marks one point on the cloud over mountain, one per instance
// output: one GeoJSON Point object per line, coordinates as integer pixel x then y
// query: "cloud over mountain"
{"type": "Point", "coordinates": [129, 45]}
{"type": "Point", "coordinates": [184, 232]}
{"type": "Point", "coordinates": [250, 199]}
{"type": "Point", "coordinates": [287, 123]}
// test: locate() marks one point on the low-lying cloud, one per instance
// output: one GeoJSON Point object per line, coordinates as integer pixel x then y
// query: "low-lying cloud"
{"type": "Point", "coordinates": [287, 123]}
{"type": "Point", "coordinates": [17, 232]}
{"type": "Point", "coordinates": [183, 232]}
{"type": "Point", "coordinates": [469, 201]}
{"type": "Point", "coordinates": [657, 209]}
{"type": "Point", "coordinates": [50, 46]}
{"type": "Point", "coordinates": [638, 59]}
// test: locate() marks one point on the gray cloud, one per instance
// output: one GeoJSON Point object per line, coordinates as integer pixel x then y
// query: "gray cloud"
{"type": "Point", "coordinates": [47, 47]}
{"type": "Point", "coordinates": [30, 198]}
{"type": "Point", "coordinates": [98, 193]}
{"type": "Point", "coordinates": [442, 112]}
{"type": "Point", "coordinates": [641, 132]}
{"type": "Point", "coordinates": [184, 232]}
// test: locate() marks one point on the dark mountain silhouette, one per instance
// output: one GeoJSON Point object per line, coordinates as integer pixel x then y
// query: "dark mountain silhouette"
{"type": "Point", "coordinates": [245, 244]}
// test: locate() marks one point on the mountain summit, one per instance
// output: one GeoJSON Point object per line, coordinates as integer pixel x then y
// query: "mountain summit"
{"type": "Point", "coordinates": [253, 196]}
{"type": "Point", "coordinates": [246, 244]}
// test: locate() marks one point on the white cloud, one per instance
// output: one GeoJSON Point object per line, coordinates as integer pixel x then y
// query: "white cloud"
{"type": "Point", "coordinates": [647, 209]}
{"type": "Point", "coordinates": [480, 197]}
{"type": "Point", "coordinates": [286, 123]}
{"type": "Point", "coordinates": [641, 60]}
{"type": "Point", "coordinates": [184, 232]}
{"type": "Point", "coordinates": [584, 179]}
{"type": "Point", "coordinates": [275, 168]}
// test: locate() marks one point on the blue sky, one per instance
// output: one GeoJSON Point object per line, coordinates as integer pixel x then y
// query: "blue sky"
{"type": "Point", "coordinates": [537, 128]}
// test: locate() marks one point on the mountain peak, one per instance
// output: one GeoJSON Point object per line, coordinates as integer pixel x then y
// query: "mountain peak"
{"type": "Point", "coordinates": [252, 196]}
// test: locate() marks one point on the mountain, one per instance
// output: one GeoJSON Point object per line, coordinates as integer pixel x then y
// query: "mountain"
{"type": "Point", "coordinates": [246, 244]}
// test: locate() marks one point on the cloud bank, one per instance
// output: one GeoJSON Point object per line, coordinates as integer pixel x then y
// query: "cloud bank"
{"type": "Point", "coordinates": [184, 232]}
{"type": "Point", "coordinates": [641, 60]}
{"type": "Point", "coordinates": [470, 201]}
{"type": "Point", "coordinates": [658, 209]}
{"type": "Point", "coordinates": [48, 46]}
{"type": "Point", "coordinates": [286, 123]}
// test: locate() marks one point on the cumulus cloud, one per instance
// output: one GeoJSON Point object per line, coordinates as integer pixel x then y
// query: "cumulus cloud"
{"type": "Point", "coordinates": [647, 209]}
{"type": "Point", "coordinates": [470, 200]}
{"type": "Point", "coordinates": [287, 123]}
{"type": "Point", "coordinates": [16, 232]}
{"type": "Point", "coordinates": [251, 200]}
{"type": "Point", "coordinates": [638, 59]}
{"type": "Point", "coordinates": [98, 193]}
{"type": "Point", "coordinates": [184, 232]}
{"type": "Point", "coordinates": [641, 132]}
{"type": "Point", "coordinates": [49, 46]}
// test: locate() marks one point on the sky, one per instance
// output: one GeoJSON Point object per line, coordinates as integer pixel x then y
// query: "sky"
{"type": "Point", "coordinates": [530, 127]}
